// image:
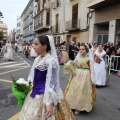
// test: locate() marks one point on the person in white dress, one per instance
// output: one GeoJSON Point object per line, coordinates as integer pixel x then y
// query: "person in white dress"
{"type": "Point", "coordinates": [20, 49]}
{"type": "Point", "coordinates": [8, 55]}
{"type": "Point", "coordinates": [100, 67]}
{"type": "Point", "coordinates": [94, 48]}
{"type": "Point", "coordinates": [33, 54]}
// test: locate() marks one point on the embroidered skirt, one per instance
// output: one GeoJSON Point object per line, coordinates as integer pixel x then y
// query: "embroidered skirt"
{"type": "Point", "coordinates": [34, 109]}
{"type": "Point", "coordinates": [80, 93]}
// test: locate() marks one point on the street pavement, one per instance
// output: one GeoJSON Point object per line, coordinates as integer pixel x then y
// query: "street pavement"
{"type": "Point", "coordinates": [107, 105]}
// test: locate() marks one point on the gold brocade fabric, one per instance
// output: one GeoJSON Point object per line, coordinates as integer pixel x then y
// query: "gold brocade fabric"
{"type": "Point", "coordinates": [68, 85]}
{"type": "Point", "coordinates": [34, 109]}
{"type": "Point", "coordinates": [80, 92]}
{"type": "Point", "coordinates": [63, 111]}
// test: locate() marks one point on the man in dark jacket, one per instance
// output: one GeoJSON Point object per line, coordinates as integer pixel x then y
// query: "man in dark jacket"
{"type": "Point", "coordinates": [112, 48]}
{"type": "Point", "coordinates": [71, 52]}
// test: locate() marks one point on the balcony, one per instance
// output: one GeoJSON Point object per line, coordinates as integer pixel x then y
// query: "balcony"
{"type": "Point", "coordinates": [38, 25]}
{"type": "Point", "coordinates": [55, 29]}
{"type": "Point", "coordinates": [98, 4]}
{"type": "Point", "coordinates": [41, 27]}
{"type": "Point", "coordinates": [55, 4]}
{"type": "Point", "coordinates": [43, 7]}
{"type": "Point", "coordinates": [31, 10]}
{"type": "Point", "coordinates": [24, 34]}
{"type": "Point", "coordinates": [46, 5]}
{"type": "Point", "coordinates": [26, 15]}
{"type": "Point", "coordinates": [31, 32]}
{"type": "Point", "coordinates": [72, 25]}
{"type": "Point", "coordinates": [30, 20]}
{"type": "Point", "coordinates": [26, 24]}
{"type": "Point", "coordinates": [28, 33]}
{"type": "Point", "coordinates": [24, 18]}
{"type": "Point", "coordinates": [42, 21]}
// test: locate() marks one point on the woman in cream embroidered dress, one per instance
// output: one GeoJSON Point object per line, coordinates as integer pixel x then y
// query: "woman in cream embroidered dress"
{"type": "Point", "coordinates": [45, 101]}
{"type": "Point", "coordinates": [81, 91]}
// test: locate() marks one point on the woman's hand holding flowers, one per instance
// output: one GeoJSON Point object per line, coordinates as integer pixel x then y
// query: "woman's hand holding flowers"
{"type": "Point", "coordinates": [97, 59]}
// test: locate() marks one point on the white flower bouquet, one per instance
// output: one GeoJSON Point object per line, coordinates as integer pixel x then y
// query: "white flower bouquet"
{"type": "Point", "coordinates": [20, 88]}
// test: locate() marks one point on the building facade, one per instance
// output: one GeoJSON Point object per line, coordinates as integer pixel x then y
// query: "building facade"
{"type": "Point", "coordinates": [58, 21]}
{"type": "Point", "coordinates": [105, 21]}
{"type": "Point", "coordinates": [19, 37]}
{"type": "Point", "coordinates": [4, 29]}
{"type": "Point", "coordinates": [76, 21]}
{"type": "Point", "coordinates": [28, 23]}
{"type": "Point", "coordinates": [42, 18]}
{"type": "Point", "coordinates": [65, 20]}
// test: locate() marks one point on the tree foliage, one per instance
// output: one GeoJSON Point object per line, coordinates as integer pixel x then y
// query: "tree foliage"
{"type": "Point", "coordinates": [1, 35]}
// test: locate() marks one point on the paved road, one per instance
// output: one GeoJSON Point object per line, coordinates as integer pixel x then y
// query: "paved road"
{"type": "Point", "coordinates": [107, 103]}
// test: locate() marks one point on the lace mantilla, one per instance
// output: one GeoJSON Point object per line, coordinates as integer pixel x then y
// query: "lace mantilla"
{"type": "Point", "coordinates": [53, 93]}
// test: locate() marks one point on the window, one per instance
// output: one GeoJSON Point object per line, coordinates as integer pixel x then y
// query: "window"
{"type": "Point", "coordinates": [102, 38]}
{"type": "Point", "coordinates": [44, 1]}
{"type": "Point", "coordinates": [99, 39]}
{"type": "Point", "coordinates": [74, 15]}
{"type": "Point", "coordinates": [42, 18]}
{"type": "Point", "coordinates": [18, 24]}
{"type": "Point", "coordinates": [74, 39]}
{"type": "Point", "coordinates": [38, 4]}
{"type": "Point", "coordinates": [118, 27]}
{"type": "Point", "coordinates": [48, 18]}
{"type": "Point", "coordinates": [57, 3]}
{"type": "Point", "coordinates": [57, 19]}
{"type": "Point", "coordinates": [58, 40]}
{"type": "Point", "coordinates": [55, 40]}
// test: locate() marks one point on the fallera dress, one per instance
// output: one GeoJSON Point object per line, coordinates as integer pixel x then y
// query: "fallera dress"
{"type": "Point", "coordinates": [80, 91]}
{"type": "Point", "coordinates": [63, 55]}
{"type": "Point", "coordinates": [32, 52]}
{"type": "Point", "coordinates": [101, 72]}
{"type": "Point", "coordinates": [45, 91]}
{"type": "Point", "coordinates": [8, 54]}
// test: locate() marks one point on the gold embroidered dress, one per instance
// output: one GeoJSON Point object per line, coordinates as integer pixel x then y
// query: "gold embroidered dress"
{"type": "Point", "coordinates": [44, 92]}
{"type": "Point", "coordinates": [80, 92]}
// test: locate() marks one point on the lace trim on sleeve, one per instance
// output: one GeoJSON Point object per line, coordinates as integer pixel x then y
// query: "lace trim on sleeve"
{"type": "Point", "coordinates": [53, 92]}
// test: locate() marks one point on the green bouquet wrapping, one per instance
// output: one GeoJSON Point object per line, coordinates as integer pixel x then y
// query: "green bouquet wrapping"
{"type": "Point", "coordinates": [20, 88]}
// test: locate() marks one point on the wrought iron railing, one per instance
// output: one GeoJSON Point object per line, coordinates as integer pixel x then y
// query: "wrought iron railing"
{"type": "Point", "coordinates": [55, 29]}
{"type": "Point", "coordinates": [38, 26]}
{"type": "Point", "coordinates": [55, 4]}
{"type": "Point", "coordinates": [72, 25]}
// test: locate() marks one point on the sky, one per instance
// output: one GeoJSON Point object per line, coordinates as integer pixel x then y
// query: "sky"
{"type": "Point", "coordinates": [11, 9]}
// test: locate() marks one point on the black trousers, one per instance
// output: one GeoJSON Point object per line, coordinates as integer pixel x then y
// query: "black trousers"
{"type": "Point", "coordinates": [16, 49]}
{"type": "Point", "coordinates": [26, 54]}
